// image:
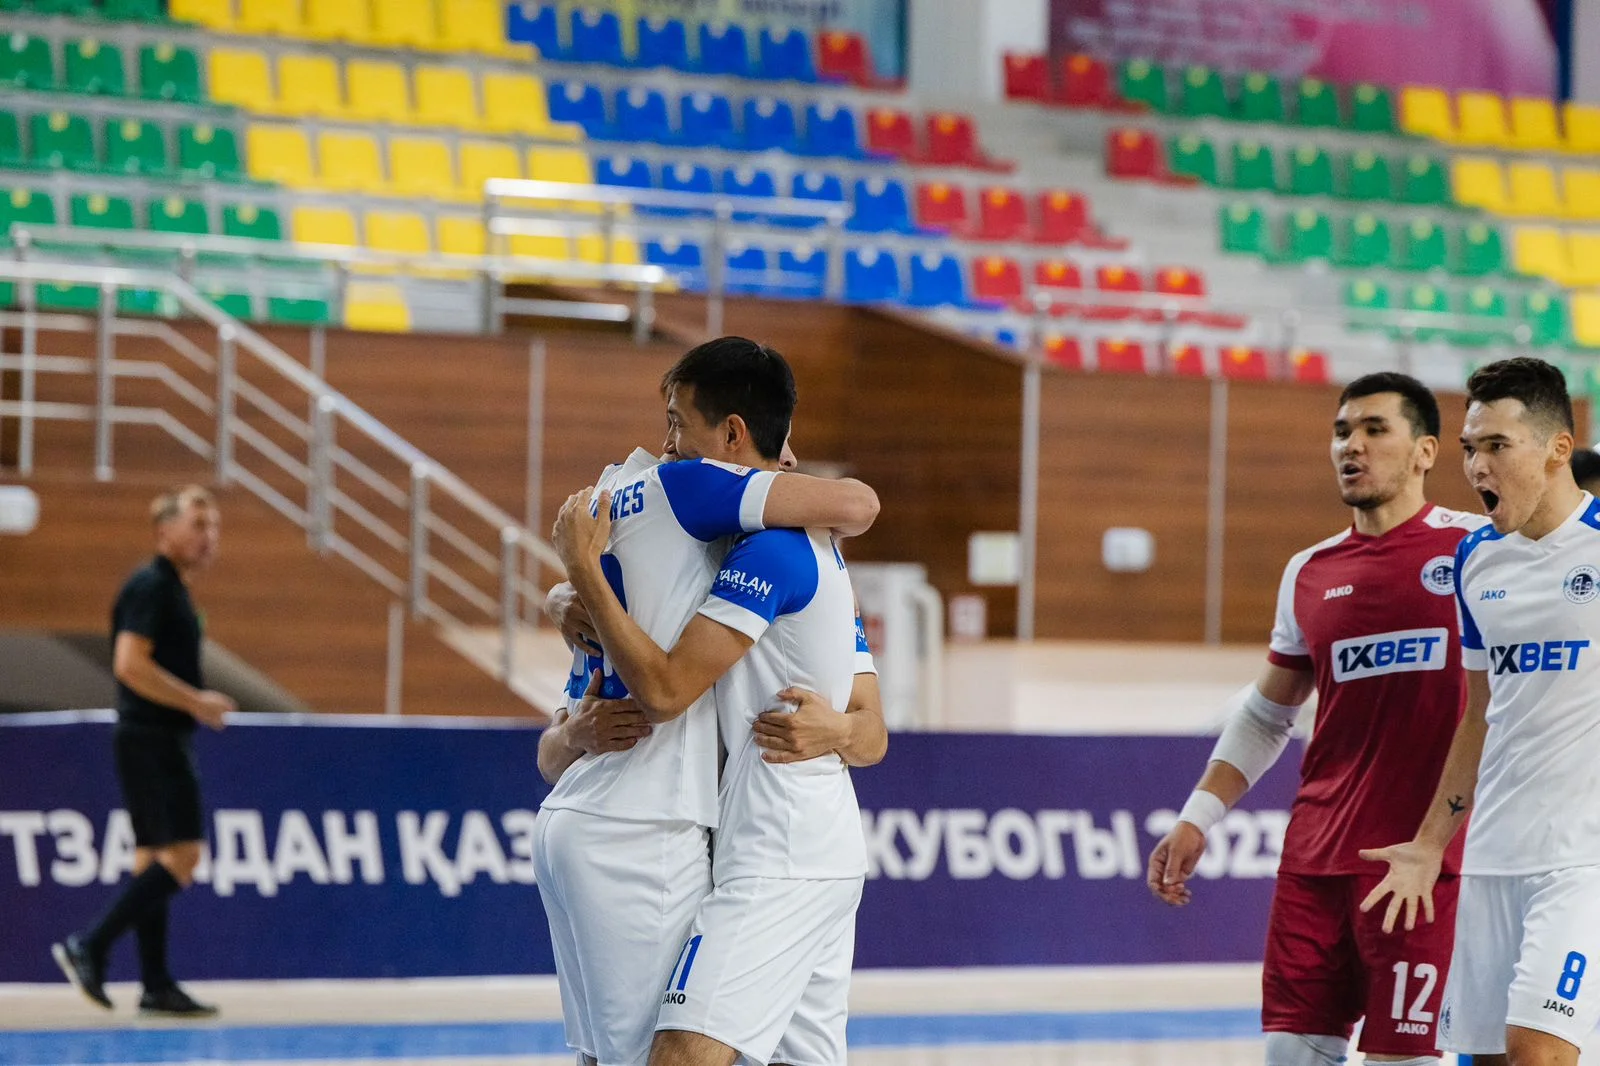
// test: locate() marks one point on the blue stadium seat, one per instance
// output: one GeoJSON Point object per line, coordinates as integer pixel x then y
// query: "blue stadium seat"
{"type": "Point", "coordinates": [870, 276]}
{"type": "Point", "coordinates": [831, 130]}
{"type": "Point", "coordinates": [663, 43]}
{"type": "Point", "coordinates": [683, 177]}
{"type": "Point", "coordinates": [576, 101]}
{"type": "Point", "coordinates": [642, 116]}
{"type": "Point", "coordinates": [597, 38]}
{"type": "Point", "coordinates": [747, 268]}
{"type": "Point", "coordinates": [724, 49]}
{"type": "Point", "coordinates": [936, 281]}
{"type": "Point", "coordinates": [804, 271]}
{"type": "Point", "coordinates": [705, 120]}
{"type": "Point", "coordinates": [880, 207]}
{"type": "Point", "coordinates": [683, 259]}
{"type": "Point", "coordinates": [541, 29]}
{"type": "Point", "coordinates": [769, 123]}
{"type": "Point", "coordinates": [625, 171]}
{"type": "Point", "coordinates": [748, 181]}
{"type": "Point", "coordinates": [786, 56]}
{"type": "Point", "coordinates": [811, 185]}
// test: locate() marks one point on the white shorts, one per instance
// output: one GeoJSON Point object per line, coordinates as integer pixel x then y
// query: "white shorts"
{"type": "Point", "coordinates": [1527, 954]}
{"type": "Point", "coordinates": [766, 970]}
{"type": "Point", "coordinates": [619, 897]}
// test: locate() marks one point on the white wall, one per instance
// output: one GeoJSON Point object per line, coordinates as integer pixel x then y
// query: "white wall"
{"type": "Point", "coordinates": [1586, 50]}
{"type": "Point", "coordinates": [954, 47]}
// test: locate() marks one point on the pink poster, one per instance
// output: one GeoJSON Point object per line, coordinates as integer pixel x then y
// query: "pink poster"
{"type": "Point", "coordinates": [1502, 45]}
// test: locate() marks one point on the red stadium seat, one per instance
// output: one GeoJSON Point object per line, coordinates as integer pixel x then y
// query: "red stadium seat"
{"type": "Point", "coordinates": [1176, 281]}
{"type": "Point", "coordinates": [1064, 351]}
{"type": "Point", "coordinates": [1310, 368]}
{"type": "Point", "coordinates": [1002, 214]}
{"type": "Point", "coordinates": [942, 206]}
{"type": "Point", "coordinates": [1086, 82]}
{"type": "Point", "coordinates": [1027, 77]}
{"type": "Point", "coordinates": [1189, 360]}
{"type": "Point", "coordinates": [1119, 357]}
{"type": "Point", "coordinates": [996, 279]}
{"type": "Point", "coordinates": [843, 56]}
{"type": "Point", "coordinates": [1244, 364]}
{"type": "Point", "coordinates": [1063, 217]}
{"type": "Point", "coordinates": [1116, 279]}
{"type": "Point", "coordinates": [1057, 274]}
{"type": "Point", "coordinates": [952, 141]}
{"type": "Point", "coordinates": [889, 132]}
{"type": "Point", "coordinates": [1132, 153]}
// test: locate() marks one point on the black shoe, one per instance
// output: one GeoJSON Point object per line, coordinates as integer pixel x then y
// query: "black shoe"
{"type": "Point", "coordinates": [86, 973]}
{"type": "Point", "coordinates": [174, 1002]}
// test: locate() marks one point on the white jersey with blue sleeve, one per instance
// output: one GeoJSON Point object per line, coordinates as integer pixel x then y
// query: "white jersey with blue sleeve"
{"type": "Point", "coordinates": [1530, 617]}
{"type": "Point", "coordinates": [787, 590]}
{"type": "Point", "coordinates": [671, 523]}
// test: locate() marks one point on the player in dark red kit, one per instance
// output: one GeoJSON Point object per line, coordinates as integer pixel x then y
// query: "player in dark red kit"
{"type": "Point", "coordinates": [1367, 619]}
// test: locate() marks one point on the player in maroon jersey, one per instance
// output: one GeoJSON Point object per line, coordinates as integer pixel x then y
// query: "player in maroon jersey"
{"type": "Point", "coordinates": [1367, 619]}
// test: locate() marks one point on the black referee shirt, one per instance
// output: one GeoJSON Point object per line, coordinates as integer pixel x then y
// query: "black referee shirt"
{"type": "Point", "coordinates": [154, 604]}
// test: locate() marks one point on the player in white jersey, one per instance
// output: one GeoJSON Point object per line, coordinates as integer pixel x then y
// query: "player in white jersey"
{"type": "Point", "coordinates": [765, 971]}
{"type": "Point", "coordinates": [621, 849]}
{"type": "Point", "coordinates": [1526, 759]}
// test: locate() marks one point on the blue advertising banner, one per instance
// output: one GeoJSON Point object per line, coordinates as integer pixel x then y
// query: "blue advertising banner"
{"type": "Point", "coordinates": [364, 848]}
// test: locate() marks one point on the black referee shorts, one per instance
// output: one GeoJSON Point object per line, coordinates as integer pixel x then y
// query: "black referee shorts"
{"type": "Point", "coordinates": [160, 786]}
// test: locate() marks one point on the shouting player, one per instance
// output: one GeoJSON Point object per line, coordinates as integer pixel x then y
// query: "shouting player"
{"type": "Point", "coordinates": [1526, 759]}
{"type": "Point", "coordinates": [1365, 619]}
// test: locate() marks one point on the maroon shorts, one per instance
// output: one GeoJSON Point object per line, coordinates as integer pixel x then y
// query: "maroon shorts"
{"type": "Point", "coordinates": [1328, 965]}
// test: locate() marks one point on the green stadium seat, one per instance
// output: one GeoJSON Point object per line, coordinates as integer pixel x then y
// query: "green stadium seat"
{"type": "Point", "coordinates": [1367, 176]}
{"type": "Point", "coordinates": [1310, 236]}
{"type": "Point", "coordinates": [1546, 315]}
{"type": "Point", "coordinates": [176, 215]}
{"type": "Point", "coordinates": [61, 139]}
{"type": "Point", "coordinates": [1482, 301]}
{"type": "Point", "coordinates": [28, 206]}
{"type": "Point", "coordinates": [1429, 298]}
{"type": "Point", "coordinates": [1365, 241]}
{"type": "Point", "coordinates": [1252, 167]}
{"type": "Point", "coordinates": [237, 304]}
{"type": "Point", "coordinates": [70, 8]}
{"type": "Point", "coordinates": [167, 72]}
{"type": "Point", "coordinates": [1481, 252]}
{"type": "Point", "coordinates": [1140, 81]}
{"type": "Point", "coordinates": [1260, 98]}
{"type": "Point", "coordinates": [1310, 172]}
{"type": "Point", "coordinates": [1364, 294]}
{"type": "Point", "coordinates": [25, 62]}
{"type": "Point", "coordinates": [99, 211]}
{"type": "Point", "coordinates": [1193, 156]}
{"type": "Point", "coordinates": [1424, 246]}
{"type": "Point", "coordinates": [1371, 109]}
{"type": "Point", "coordinates": [1316, 103]}
{"type": "Point", "coordinates": [54, 297]}
{"type": "Point", "coordinates": [95, 67]}
{"type": "Point", "coordinates": [209, 151]}
{"type": "Point", "coordinates": [299, 311]}
{"type": "Point", "coordinates": [1203, 94]}
{"type": "Point", "coordinates": [134, 146]}
{"type": "Point", "coordinates": [146, 303]}
{"type": "Point", "coordinates": [248, 220]}
{"type": "Point", "coordinates": [1244, 229]}
{"type": "Point", "coordinates": [10, 140]}
{"type": "Point", "coordinates": [8, 294]}
{"type": "Point", "coordinates": [1423, 181]}
{"type": "Point", "coordinates": [135, 10]}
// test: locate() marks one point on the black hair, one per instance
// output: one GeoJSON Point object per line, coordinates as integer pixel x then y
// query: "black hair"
{"type": "Point", "coordinates": [1541, 387]}
{"type": "Point", "coordinates": [1417, 401]}
{"type": "Point", "coordinates": [1585, 467]}
{"type": "Point", "coordinates": [736, 376]}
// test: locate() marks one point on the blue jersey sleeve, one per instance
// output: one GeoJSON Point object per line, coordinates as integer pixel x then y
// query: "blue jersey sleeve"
{"type": "Point", "coordinates": [712, 500]}
{"type": "Point", "coordinates": [1472, 652]}
{"type": "Point", "coordinates": [765, 576]}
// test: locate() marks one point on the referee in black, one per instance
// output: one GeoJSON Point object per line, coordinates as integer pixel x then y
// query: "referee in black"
{"type": "Point", "coordinates": [156, 638]}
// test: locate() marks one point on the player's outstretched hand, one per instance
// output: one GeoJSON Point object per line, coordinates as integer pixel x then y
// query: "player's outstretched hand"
{"type": "Point", "coordinates": [1173, 863]}
{"type": "Point", "coordinates": [582, 528]}
{"type": "Point", "coordinates": [811, 730]}
{"type": "Point", "coordinates": [1413, 869]}
{"type": "Point", "coordinates": [598, 725]}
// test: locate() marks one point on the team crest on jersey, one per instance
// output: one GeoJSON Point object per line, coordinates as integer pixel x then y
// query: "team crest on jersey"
{"type": "Point", "coordinates": [1582, 584]}
{"type": "Point", "coordinates": [1439, 575]}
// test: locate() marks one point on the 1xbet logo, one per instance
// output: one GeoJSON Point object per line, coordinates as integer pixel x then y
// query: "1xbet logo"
{"type": "Point", "coordinates": [1534, 657]}
{"type": "Point", "coordinates": [1400, 652]}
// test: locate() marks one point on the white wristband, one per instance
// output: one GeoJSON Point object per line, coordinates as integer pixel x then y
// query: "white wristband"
{"type": "Point", "coordinates": [1203, 810]}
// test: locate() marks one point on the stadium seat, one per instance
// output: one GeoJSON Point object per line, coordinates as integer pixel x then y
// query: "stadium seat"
{"type": "Point", "coordinates": [942, 207]}
{"type": "Point", "coordinates": [1310, 236]}
{"type": "Point", "coordinates": [560, 164]}
{"type": "Point", "coordinates": [724, 49]}
{"type": "Point", "coordinates": [880, 207]}
{"type": "Point", "coordinates": [460, 235]}
{"type": "Point", "coordinates": [209, 151]}
{"type": "Point", "coordinates": [1115, 356]}
{"type": "Point", "coordinates": [172, 214]}
{"type": "Point", "coordinates": [401, 232]}
{"type": "Point", "coordinates": [1364, 294]}
{"type": "Point", "coordinates": [1253, 167]}
{"type": "Point", "coordinates": [341, 20]}
{"type": "Point", "coordinates": [662, 42]}
{"type": "Point", "coordinates": [1179, 281]}
{"type": "Point", "coordinates": [1057, 274]}
{"type": "Point", "coordinates": [241, 78]}
{"type": "Point", "coordinates": [94, 68]}
{"type": "Point", "coordinates": [323, 225]}
{"type": "Point", "coordinates": [1481, 252]}
{"type": "Point", "coordinates": [686, 177]}
{"type": "Point", "coordinates": [1533, 191]}
{"type": "Point", "coordinates": [1424, 246]}
{"type": "Point", "coordinates": [953, 141]}
{"type": "Point", "coordinates": [1002, 215]}
{"type": "Point", "coordinates": [374, 307]}
{"type": "Point", "coordinates": [252, 222]}
{"type": "Point", "coordinates": [1586, 319]}
{"type": "Point", "coordinates": [134, 11]}
{"type": "Point", "coordinates": [1422, 181]}
{"type": "Point", "coordinates": [308, 87]}
{"type": "Point", "coordinates": [167, 72]}
{"type": "Point", "coordinates": [1481, 120]}
{"type": "Point", "coordinates": [1583, 257]}
{"type": "Point", "coordinates": [1117, 279]}
{"type": "Point", "coordinates": [685, 260]}
{"type": "Point", "coordinates": [446, 97]}
{"type": "Point", "coordinates": [1582, 125]}
{"type": "Point", "coordinates": [1486, 303]}
{"type": "Point", "coordinates": [1364, 241]}
{"type": "Point", "coordinates": [1429, 299]}
{"type": "Point", "coordinates": [280, 154]}
{"type": "Point", "coordinates": [748, 181]}
{"type": "Point", "coordinates": [212, 14]}
{"type": "Point", "coordinates": [1425, 112]}
{"type": "Point", "coordinates": [1316, 103]}
{"type": "Point", "coordinates": [1546, 316]}
{"type": "Point", "coordinates": [1143, 84]}
{"type": "Point", "coordinates": [1478, 181]}
{"type": "Point", "coordinates": [1244, 230]}
{"type": "Point", "coordinates": [1203, 94]}
{"type": "Point", "coordinates": [642, 116]}
{"type": "Point", "coordinates": [1580, 187]}
{"type": "Point", "coordinates": [1371, 109]}
{"type": "Point", "coordinates": [843, 57]}
{"type": "Point", "coordinates": [1310, 171]}
{"type": "Point", "coordinates": [1308, 368]}
{"type": "Point", "coordinates": [769, 124]}
{"type": "Point", "coordinates": [476, 26]}
{"type": "Point", "coordinates": [1132, 153]}
{"type": "Point", "coordinates": [1085, 82]}
{"type": "Point", "coordinates": [299, 311]}
{"type": "Point", "coordinates": [831, 130]}
{"type": "Point", "coordinates": [596, 37]}
{"type": "Point", "coordinates": [581, 104]}
{"type": "Point", "coordinates": [538, 25]}
{"type": "Point", "coordinates": [11, 155]}
{"type": "Point", "coordinates": [1063, 217]}
{"type": "Point", "coordinates": [1065, 352]}
{"type": "Point", "coordinates": [350, 162]}
{"type": "Point", "coordinates": [1533, 125]}
{"type": "Point", "coordinates": [1188, 361]}
{"type": "Point", "coordinates": [25, 62]}
{"type": "Point", "coordinates": [1240, 363]}
{"type": "Point", "coordinates": [1367, 176]}
{"type": "Point", "coordinates": [936, 281]}
{"type": "Point", "coordinates": [134, 146]}
{"type": "Point", "coordinates": [890, 133]}
{"type": "Point", "coordinates": [377, 91]}
{"type": "Point", "coordinates": [1541, 252]}
{"type": "Point", "coordinates": [804, 271]}
{"type": "Point", "coordinates": [480, 161]}
{"type": "Point", "coordinates": [1260, 98]}
{"type": "Point", "coordinates": [785, 55]}
{"type": "Point", "coordinates": [871, 275]}
{"type": "Point", "coordinates": [996, 280]}
{"type": "Point", "coordinates": [706, 121]}
{"type": "Point", "coordinates": [270, 16]}
{"type": "Point", "coordinates": [60, 140]}
{"type": "Point", "coordinates": [30, 207]}
{"type": "Point", "coordinates": [1193, 156]}
{"type": "Point", "coordinates": [516, 103]}
{"type": "Point", "coordinates": [1027, 77]}
{"type": "Point", "coordinates": [98, 211]}
{"type": "Point", "coordinates": [624, 171]}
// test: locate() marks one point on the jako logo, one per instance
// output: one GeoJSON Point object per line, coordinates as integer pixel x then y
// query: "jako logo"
{"type": "Point", "coordinates": [749, 585]}
{"type": "Point", "coordinates": [1401, 652]}
{"type": "Point", "coordinates": [1533, 658]}
{"type": "Point", "coordinates": [1342, 590]}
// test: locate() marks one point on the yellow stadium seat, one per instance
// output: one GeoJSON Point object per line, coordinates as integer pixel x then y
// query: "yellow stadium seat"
{"type": "Point", "coordinates": [271, 16]}
{"type": "Point", "coordinates": [461, 235]}
{"type": "Point", "coordinates": [411, 24]}
{"type": "Point", "coordinates": [516, 103]}
{"type": "Point", "coordinates": [377, 91]}
{"type": "Point", "coordinates": [214, 14]}
{"type": "Point", "coordinates": [400, 232]}
{"type": "Point", "coordinates": [377, 307]}
{"type": "Point", "coordinates": [279, 154]}
{"type": "Point", "coordinates": [1533, 191]}
{"type": "Point", "coordinates": [544, 246]}
{"type": "Point", "coordinates": [1583, 128]}
{"type": "Point", "coordinates": [1586, 319]}
{"type": "Point", "coordinates": [592, 249]}
{"type": "Point", "coordinates": [445, 97]}
{"type": "Point", "coordinates": [240, 77]}
{"type": "Point", "coordinates": [1425, 112]}
{"type": "Point", "coordinates": [1541, 252]}
{"type": "Point", "coordinates": [1481, 119]}
{"type": "Point", "coordinates": [1477, 181]}
{"type": "Point", "coordinates": [560, 164]}
{"type": "Point", "coordinates": [479, 161]}
{"type": "Point", "coordinates": [349, 162]}
{"type": "Point", "coordinates": [477, 26]}
{"type": "Point", "coordinates": [1581, 187]}
{"type": "Point", "coordinates": [421, 167]}
{"type": "Point", "coordinates": [308, 87]}
{"type": "Point", "coordinates": [324, 225]}
{"type": "Point", "coordinates": [340, 20]}
{"type": "Point", "coordinates": [1583, 257]}
{"type": "Point", "coordinates": [1533, 125]}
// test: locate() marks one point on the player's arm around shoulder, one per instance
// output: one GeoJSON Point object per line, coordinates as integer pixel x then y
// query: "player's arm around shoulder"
{"type": "Point", "coordinates": [814, 729]}
{"type": "Point", "coordinates": [799, 501]}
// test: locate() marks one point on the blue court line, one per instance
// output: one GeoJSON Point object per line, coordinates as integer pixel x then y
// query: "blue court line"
{"type": "Point", "coordinates": [218, 1043]}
